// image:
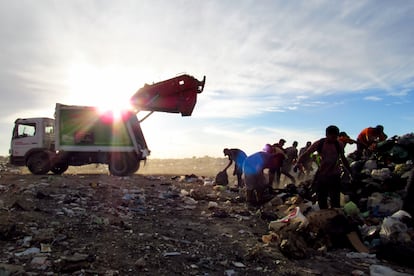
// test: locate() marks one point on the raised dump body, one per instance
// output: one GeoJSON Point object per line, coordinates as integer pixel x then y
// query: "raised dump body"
{"type": "Point", "coordinates": [175, 95]}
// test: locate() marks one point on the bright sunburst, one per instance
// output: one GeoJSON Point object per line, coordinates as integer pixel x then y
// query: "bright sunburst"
{"type": "Point", "coordinates": [107, 88]}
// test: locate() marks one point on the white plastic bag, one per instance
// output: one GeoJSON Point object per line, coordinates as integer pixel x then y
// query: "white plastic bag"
{"type": "Point", "coordinates": [294, 216]}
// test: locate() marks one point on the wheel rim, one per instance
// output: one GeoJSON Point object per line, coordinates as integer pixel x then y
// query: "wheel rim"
{"type": "Point", "coordinates": [39, 163]}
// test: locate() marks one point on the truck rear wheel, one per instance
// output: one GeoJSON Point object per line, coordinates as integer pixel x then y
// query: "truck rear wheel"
{"type": "Point", "coordinates": [133, 163]}
{"type": "Point", "coordinates": [38, 163]}
{"type": "Point", "coordinates": [118, 164]}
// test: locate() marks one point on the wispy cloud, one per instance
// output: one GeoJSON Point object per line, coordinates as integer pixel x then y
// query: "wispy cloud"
{"type": "Point", "coordinates": [373, 98]}
{"type": "Point", "coordinates": [259, 57]}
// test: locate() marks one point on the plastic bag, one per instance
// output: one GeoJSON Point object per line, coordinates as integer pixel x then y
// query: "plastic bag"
{"type": "Point", "coordinates": [294, 216]}
{"type": "Point", "coordinates": [393, 229]}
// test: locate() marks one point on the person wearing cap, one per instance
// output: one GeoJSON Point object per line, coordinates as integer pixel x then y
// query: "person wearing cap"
{"type": "Point", "coordinates": [327, 181]}
{"type": "Point", "coordinates": [368, 138]}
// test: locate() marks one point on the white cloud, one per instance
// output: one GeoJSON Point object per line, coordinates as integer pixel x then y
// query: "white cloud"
{"type": "Point", "coordinates": [373, 98]}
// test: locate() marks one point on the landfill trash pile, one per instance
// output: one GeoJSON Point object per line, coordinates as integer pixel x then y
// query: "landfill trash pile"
{"type": "Point", "coordinates": [376, 216]}
{"type": "Point", "coordinates": [86, 222]}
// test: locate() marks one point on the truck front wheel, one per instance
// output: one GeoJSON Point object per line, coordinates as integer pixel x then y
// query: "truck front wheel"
{"type": "Point", "coordinates": [60, 167]}
{"type": "Point", "coordinates": [38, 163]}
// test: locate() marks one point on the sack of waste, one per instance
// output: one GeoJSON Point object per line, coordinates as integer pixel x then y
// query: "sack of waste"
{"type": "Point", "coordinates": [222, 178]}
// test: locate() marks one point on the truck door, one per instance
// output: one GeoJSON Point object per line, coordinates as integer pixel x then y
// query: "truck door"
{"type": "Point", "coordinates": [24, 138]}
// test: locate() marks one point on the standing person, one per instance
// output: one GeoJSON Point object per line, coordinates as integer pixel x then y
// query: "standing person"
{"type": "Point", "coordinates": [306, 161]}
{"type": "Point", "coordinates": [279, 153]}
{"type": "Point", "coordinates": [238, 156]}
{"type": "Point", "coordinates": [368, 138]}
{"type": "Point", "coordinates": [254, 178]}
{"type": "Point", "coordinates": [291, 157]}
{"type": "Point", "coordinates": [327, 180]}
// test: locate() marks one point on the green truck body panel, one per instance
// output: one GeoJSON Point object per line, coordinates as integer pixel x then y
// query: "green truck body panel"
{"type": "Point", "coordinates": [86, 126]}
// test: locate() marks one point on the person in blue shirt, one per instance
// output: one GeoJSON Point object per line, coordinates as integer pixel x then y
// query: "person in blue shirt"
{"type": "Point", "coordinates": [238, 156]}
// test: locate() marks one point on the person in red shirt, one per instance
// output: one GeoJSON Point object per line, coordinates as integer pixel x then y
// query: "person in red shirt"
{"type": "Point", "coordinates": [368, 138]}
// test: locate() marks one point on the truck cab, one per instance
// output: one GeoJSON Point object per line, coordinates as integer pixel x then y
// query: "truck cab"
{"type": "Point", "coordinates": [29, 136]}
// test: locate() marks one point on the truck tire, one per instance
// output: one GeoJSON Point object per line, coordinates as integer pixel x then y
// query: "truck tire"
{"type": "Point", "coordinates": [38, 163]}
{"type": "Point", "coordinates": [133, 163]}
{"type": "Point", "coordinates": [119, 165]}
{"type": "Point", "coordinates": [59, 168]}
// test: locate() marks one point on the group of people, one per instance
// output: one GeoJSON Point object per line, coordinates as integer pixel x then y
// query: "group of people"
{"type": "Point", "coordinates": [330, 160]}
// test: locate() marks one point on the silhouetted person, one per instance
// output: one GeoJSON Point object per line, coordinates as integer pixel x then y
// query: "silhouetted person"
{"type": "Point", "coordinates": [306, 161]}
{"type": "Point", "coordinates": [291, 157]}
{"type": "Point", "coordinates": [368, 138]}
{"type": "Point", "coordinates": [238, 156]}
{"type": "Point", "coordinates": [327, 180]}
{"type": "Point", "coordinates": [279, 154]}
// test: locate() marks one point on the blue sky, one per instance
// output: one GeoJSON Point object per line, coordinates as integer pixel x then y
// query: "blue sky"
{"type": "Point", "coordinates": [275, 69]}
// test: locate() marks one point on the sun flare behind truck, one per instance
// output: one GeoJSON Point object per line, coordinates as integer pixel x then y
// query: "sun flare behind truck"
{"type": "Point", "coordinates": [80, 135]}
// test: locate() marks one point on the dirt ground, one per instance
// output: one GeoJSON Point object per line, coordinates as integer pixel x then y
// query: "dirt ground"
{"type": "Point", "coordinates": [157, 222]}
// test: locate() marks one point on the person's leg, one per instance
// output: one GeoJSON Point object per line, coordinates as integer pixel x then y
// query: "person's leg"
{"type": "Point", "coordinates": [240, 183]}
{"type": "Point", "coordinates": [323, 199]}
{"type": "Point", "coordinates": [278, 174]}
{"type": "Point", "coordinates": [250, 196]}
{"type": "Point", "coordinates": [271, 177]}
{"type": "Point", "coordinates": [250, 183]}
{"type": "Point", "coordinates": [322, 192]}
{"type": "Point", "coordinates": [335, 191]}
{"type": "Point", "coordinates": [290, 177]}
{"type": "Point", "coordinates": [259, 196]}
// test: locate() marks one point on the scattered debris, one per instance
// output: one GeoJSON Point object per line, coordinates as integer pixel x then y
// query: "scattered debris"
{"type": "Point", "coordinates": [96, 224]}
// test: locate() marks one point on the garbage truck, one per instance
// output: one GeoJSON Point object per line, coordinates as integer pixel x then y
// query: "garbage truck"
{"type": "Point", "coordinates": [81, 135]}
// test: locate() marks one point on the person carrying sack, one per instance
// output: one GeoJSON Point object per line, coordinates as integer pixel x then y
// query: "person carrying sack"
{"type": "Point", "coordinates": [238, 156]}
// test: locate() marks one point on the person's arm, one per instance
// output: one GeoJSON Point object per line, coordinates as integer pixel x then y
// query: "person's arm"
{"type": "Point", "coordinates": [227, 153]}
{"type": "Point", "coordinates": [230, 162]}
{"type": "Point", "coordinates": [280, 151]}
{"type": "Point", "coordinates": [344, 160]}
{"type": "Point", "coordinates": [350, 141]}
